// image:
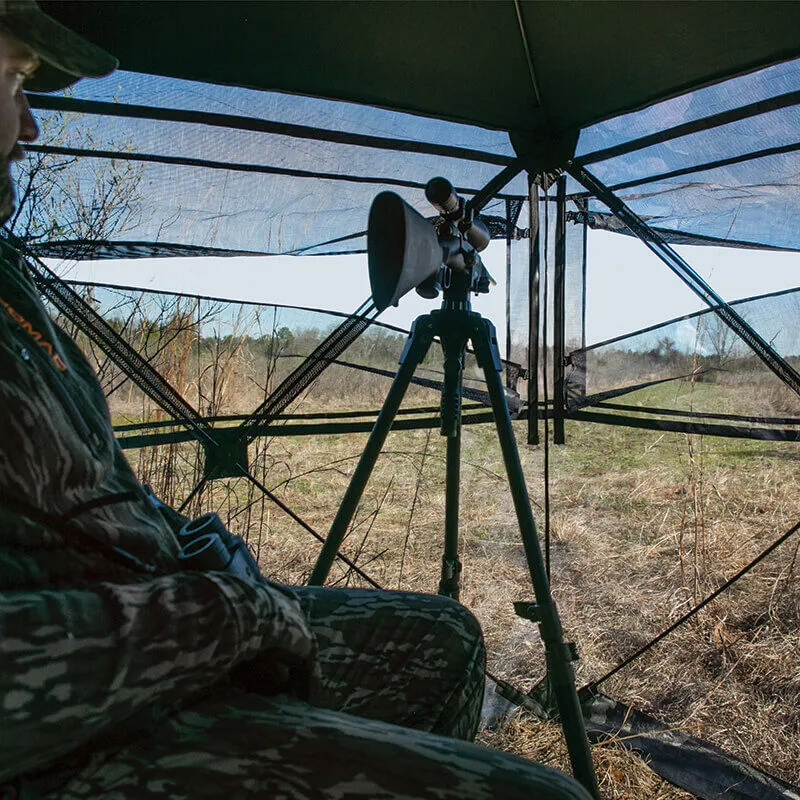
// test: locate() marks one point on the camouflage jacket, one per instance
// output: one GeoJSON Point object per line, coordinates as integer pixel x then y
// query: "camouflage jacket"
{"type": "Point", "coordinates": [97, 626]}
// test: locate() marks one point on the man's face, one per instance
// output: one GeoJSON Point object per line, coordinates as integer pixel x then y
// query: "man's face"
{"type": "Point", "coordinates": [16, 122]}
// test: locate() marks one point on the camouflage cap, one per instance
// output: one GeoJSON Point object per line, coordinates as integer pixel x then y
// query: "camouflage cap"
{"type": "Point", "coordinates": [65, 56]}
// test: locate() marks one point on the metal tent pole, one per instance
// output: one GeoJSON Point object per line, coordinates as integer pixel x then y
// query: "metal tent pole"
{"type": "Point", "coordinates": [559, 311]}
{"type": "Point", "coordinates": [534, 320]}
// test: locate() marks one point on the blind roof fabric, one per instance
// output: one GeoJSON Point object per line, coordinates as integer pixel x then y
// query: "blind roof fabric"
{"type": "Point", "coordinates": [522, 65]}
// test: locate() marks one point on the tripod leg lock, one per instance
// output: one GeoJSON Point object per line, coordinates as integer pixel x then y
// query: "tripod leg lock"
{"type": "Point", "coordinates": [451, 568]}
{"type": "Point", "coordinates": [537, 613]}
{"type": "Point", "coordinates": [573, 651]}
{"type": "Point", "coordinates": [527, 609]}
{"type": "Point", "coordinates": [566, 652]}
{"type": "Point", "coordinates": [450, 583]}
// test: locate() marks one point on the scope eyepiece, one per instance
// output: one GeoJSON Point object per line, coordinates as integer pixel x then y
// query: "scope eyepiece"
{"type": "Point", "coordinates": [440, 193]}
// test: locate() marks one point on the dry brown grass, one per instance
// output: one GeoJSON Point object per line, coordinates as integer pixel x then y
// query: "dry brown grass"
{"type": "Point", "coordinates": [621, 774]}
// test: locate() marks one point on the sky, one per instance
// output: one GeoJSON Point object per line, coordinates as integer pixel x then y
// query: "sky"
{"type": "Point", "coordinates": [331, 283]}
{"type": "Point", "coordinates": [628, 288]}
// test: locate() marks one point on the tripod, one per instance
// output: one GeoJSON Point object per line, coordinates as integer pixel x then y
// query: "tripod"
{"type": "Point", "coordinates": [456, 325]}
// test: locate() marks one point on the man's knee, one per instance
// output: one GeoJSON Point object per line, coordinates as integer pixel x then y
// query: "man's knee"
{"type": "Point", "coordinates": [431, 620]}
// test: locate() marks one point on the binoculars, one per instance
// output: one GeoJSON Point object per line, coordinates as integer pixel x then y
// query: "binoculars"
{"type": "Point", "coordinates": [208, 546]}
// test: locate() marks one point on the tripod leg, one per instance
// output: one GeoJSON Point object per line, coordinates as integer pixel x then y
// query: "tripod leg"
{"type": "Point", "coordinates": [454, 344]}
{"type": "Point", "coordinates": [450, 582]}
{"type": "Point", "coordinates": [559, 656]}
{"type": "Point", "coordinates": [416, 347]}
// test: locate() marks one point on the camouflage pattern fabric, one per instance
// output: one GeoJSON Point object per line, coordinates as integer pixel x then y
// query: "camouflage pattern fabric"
{"type": "Point", "coordinates": [245, 746]}
{"type": "Point", "coordinates": [411, 659]}
{"type": "Point", "coordinates": [89, 639]}
{"type": "Point", "coordinates": [123, 677]}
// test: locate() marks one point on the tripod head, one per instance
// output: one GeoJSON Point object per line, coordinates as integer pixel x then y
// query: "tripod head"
{"type": "Point", "coordinates": [407, 251]}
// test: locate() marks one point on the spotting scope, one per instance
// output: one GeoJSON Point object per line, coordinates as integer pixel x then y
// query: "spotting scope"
{"type": "Point", "coordinates": [406, 251]}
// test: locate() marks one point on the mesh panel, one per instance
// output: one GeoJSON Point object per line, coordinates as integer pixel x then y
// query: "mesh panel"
{"type": "Point", "coordinates": [720, 97]}
{"type": "Point", "coordinates": [173, 93]}
{"type": "Point", "coordinates": [227, 357]}
{"type": "Point", "coordinates": [720, 162]}
{"type": "Point", "coordinates": [575, 283]}
{"type": "Point", "coordinates": [237, 169]}
{"type": "Point", "coordinates": [696, 364]}
{"type": "Point", "coordinates": [749, 202]}
{"type": "Point", "coordinates": [519, 297]}
{"type": "Point", "coordinates": [196, 168]}
{"type": "Point", "coordinates": [776, 129]}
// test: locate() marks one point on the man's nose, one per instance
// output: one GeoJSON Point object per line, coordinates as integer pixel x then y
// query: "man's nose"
{"type": "Point", "coordinates": [28, 129]}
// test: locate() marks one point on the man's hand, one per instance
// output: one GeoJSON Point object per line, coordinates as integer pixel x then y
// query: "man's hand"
{"type": "Point", "coordinates": [290, 667]}
{"type": "Point", "coordinates": [276, 672]}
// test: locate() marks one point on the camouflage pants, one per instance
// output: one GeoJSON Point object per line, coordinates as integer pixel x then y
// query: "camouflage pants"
{"type": "Point", "coordinates": [412, 660]}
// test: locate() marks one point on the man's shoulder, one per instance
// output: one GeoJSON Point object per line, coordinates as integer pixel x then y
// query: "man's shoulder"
{"type": "Point", "coordinates": [13, 267]}
{"type": "Point", "coordinates": [9, 251]}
